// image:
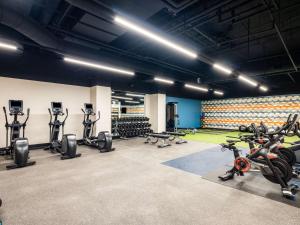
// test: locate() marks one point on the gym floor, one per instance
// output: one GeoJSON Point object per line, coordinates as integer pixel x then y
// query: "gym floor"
{"type": "Point", "coordinates": [219, 136]}
{"type": "Point", "coordinates": [129, 186]}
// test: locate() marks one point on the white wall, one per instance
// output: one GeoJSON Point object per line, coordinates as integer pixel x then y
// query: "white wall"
{"type": "Point", "coordinates": [37, 96]}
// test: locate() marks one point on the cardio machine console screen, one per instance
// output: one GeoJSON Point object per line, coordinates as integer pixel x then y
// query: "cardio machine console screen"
{"type": "Point", "coordinates": [56, 106]}
{"type": "Point", "coordinates": [88, 107]}
{"type": "Point", "coordinates": [15, 106]}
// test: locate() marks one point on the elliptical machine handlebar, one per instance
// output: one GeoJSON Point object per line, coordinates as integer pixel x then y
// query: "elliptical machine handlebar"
{"type": "Point", "coordinates": [98, 117]}
{"type": "Point", "coordinates": [49, 110]}
{"type": "Point", "coordinates": [28, 113]}
{"type": "Point", "coordinates": [67, 114]}
{"type": "Point", "coordinates": [25, 122]}
{"type": "Point", "coordinates": [6, 119]}
{"type": "Point", "coordinates": [6, 125]}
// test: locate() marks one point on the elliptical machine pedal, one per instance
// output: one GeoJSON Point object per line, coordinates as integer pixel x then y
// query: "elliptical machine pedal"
{"type": "Point", "coordinates": [21, 149]}
{"type": "Point", "coordinates": [68, 143]}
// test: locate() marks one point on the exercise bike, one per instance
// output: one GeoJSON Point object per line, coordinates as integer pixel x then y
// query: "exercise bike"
{"type": "Point", "coordinates": [18, 148]}
{"type": "Point", "coordinates": [68, 146]}
{"type": "Point", "coordinates": [103, 142]}
{"type": "Point", "coordinates": [263, 133]}
{"type": "Point", "coordinates": [271, 166]}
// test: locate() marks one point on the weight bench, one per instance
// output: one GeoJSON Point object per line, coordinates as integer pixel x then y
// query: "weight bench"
{"type": "Point", "coordinates": [153, 138]}
{"type": "Point", "coordinates": [176, 136]}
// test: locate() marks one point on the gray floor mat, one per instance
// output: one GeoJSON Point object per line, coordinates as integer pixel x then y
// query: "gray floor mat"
{"type": "Point", "coordinates": [255, 183]}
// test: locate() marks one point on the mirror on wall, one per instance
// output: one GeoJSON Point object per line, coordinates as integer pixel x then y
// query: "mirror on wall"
{"type": "Point", "coordinates": [127, 104]}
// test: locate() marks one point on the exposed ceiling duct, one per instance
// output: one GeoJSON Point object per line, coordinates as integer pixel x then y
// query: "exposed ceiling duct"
{"type": "Point", "coordinates": [93, 8]}
{"type": "Point", "coordinates": [178, 6]}
{"type": "Point", "coordinates": [28, 28]}
{"type": "Point", "coordinates": [48, 41]}
{"type": "Point", "coordinates": [45, 38]}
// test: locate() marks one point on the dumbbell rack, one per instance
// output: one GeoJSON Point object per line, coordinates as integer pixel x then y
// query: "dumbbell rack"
{"type": "Point", "coordinates": [131, 126]}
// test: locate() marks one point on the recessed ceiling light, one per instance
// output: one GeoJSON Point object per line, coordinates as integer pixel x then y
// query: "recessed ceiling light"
{"type": "Point", "coordinates": [151, 35]}
{"type": "Point", "coordinates": [218, 92]}
{"type": "Point", "coordinates": [222, 68]}
{"type": "Point", "coordinates": [196, 87]}
{"type": "Point", "coordinates": [162, 80]}
{"type": "Point", "coordinates": [120, 97]}
{"type": "Point", "coordinates": [8, 46]}
{"type": "Point", "coordinates": [98, 66]}
{"type": "Point", "coordinates": [134, 95]}
{"type": "Point", "coordinates": [263, 88]}
{"type": "Point", "coordinates": [247, 80]}
{"type": "Point", "coordinates": [132, 101]}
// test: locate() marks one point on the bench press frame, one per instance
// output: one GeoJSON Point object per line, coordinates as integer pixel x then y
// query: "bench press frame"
{"type": "Point", "coordinates": [154, 138]}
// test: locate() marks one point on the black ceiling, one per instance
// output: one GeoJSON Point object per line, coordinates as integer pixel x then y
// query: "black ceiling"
{"type": "Point", "coordinates": [239, 33]}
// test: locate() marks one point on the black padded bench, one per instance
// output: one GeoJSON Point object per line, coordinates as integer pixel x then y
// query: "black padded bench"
{"type": "Point", "coordinates": [176, 136]}
{"type": "Point", "coordinates": [153, 138]}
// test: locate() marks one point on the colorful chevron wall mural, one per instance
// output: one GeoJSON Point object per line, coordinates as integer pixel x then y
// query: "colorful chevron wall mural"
{"type": "Point", "coordinates": [230, 113]}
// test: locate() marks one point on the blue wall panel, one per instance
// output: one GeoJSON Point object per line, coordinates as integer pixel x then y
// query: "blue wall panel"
{"type": "Point", "coordinates": [189, 111]}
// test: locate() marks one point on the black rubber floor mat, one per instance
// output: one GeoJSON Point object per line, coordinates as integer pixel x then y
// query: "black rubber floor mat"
{"type": "Point", "coordinates": [255, 183]}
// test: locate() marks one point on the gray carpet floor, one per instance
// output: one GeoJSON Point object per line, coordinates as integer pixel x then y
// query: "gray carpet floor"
{"type": "Point", "coordinates": [128, 186]}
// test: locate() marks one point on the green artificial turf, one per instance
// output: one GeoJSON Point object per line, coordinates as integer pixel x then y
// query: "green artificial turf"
{"type": "Point", "coordinates": [218, 137]}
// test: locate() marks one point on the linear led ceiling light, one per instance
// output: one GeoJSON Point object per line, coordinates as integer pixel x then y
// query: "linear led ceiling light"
{"type": "Point", "coordinates": [196, 87]}
{"type": "Point", "coordinates": [8, 46]}
{"type": "Point", "coordinates": [120, 97]}
{"type": "Point", "coordinates": [248, 80]}
{"type": "Point", "coordinates": [162, 80]}
{"type": "Point", "coordinates": [263, 88]}
{"type": "Point", "coordinates": [134, 95]}
{"type": "Point", "coordinates": [134, 27]}
{"type": "Point", "coordinates": [222, 68]}
{"type": "Point", "coordinates": [98, 66]}
{"type": "Point", "coordinates": [218, 92]}
{"type": "Point", "coordinates": [132, 101]}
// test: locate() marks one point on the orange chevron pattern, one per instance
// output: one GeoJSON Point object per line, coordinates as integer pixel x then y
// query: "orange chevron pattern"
{"type": "Point", "coordinates": [230, 113]}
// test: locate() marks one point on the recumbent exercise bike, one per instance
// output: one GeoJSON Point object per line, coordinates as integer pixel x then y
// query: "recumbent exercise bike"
{"type": "Point", "coordinates": [68, 146]}
{"type": "Point", "coordinates": [103, 142]}
{"type": "Point", "coordinates": [18, 148]}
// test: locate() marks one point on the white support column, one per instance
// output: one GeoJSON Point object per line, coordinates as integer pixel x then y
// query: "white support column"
{"type": "Point", "coordinates": [101, 99]}
{"type": "Point", "coordinates": [147, 105]}
{"type": "Point", "coordinates": [155, 109]}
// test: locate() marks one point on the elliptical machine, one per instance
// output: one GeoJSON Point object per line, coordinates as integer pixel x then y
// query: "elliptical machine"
{"type": "Point", "coordinates": [18, 148]}
{"type": "Point", "coordinates": [103, 142]}
{"type": "Point", "coordinates": [68, 146]}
